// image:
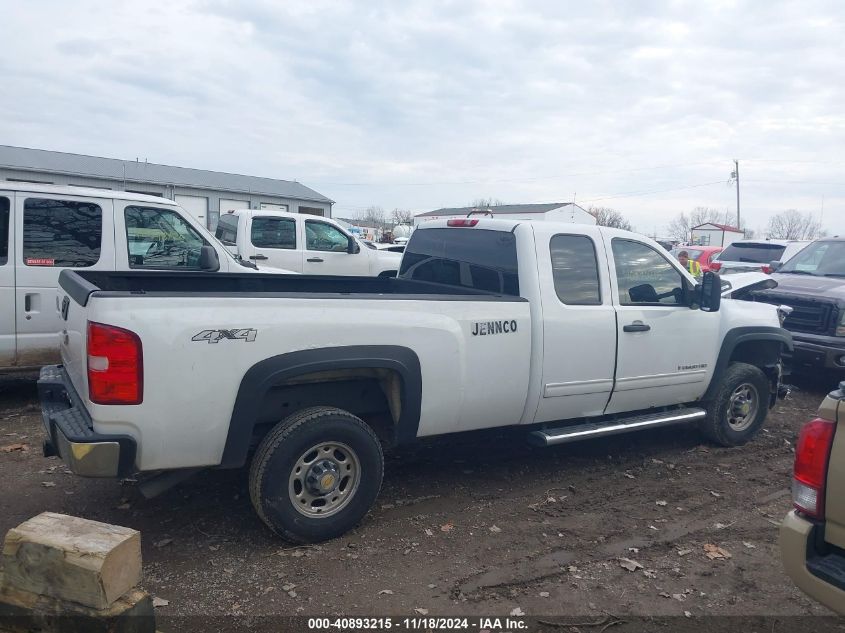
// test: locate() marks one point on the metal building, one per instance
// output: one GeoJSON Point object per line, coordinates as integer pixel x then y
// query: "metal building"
{"type": "Point", "coordinates": [555, 211]}
{"type": "Point", "coordinates": [205, 194]}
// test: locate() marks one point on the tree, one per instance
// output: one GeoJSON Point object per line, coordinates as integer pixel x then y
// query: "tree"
{"type": "Point", "coordinates": [401, 216]}
{"type": "Point", "coordinates": [794, 225]}
{"type": "Point", "coordinates": [372, 216]}
{"type": "Point", "coordinates": [485, 203]}
{"type": "Point", "coordinates": [606, 216]}
{"type": "Point", "coordinates": [681, 226]}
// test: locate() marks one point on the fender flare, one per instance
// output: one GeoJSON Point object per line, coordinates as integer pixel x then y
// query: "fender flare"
{"type": "Point", "coordinates": [737, 336]}
{"type": "Point", "coordinates": [270, 372]}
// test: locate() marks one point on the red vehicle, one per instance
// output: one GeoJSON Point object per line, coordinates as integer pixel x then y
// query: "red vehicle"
{"type": "Point", "coordinates": [702, 254]}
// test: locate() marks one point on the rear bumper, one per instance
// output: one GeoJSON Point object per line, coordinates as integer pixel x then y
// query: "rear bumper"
{"type": "Point", "coordinates": [817, 351]}
{"type": "Point", "coordinates": [820, 576]}
{"type": "Point", "coordinates": [70, 432]}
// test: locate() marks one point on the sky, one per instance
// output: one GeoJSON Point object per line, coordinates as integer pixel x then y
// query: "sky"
{"type": "Point", "coordinates": [638, 106]}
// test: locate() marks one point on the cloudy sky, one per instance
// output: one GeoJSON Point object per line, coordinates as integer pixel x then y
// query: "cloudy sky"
{"type": "Point", "coordinates": [641, 106]}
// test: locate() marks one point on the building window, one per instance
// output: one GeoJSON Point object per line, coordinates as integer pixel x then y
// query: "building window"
{"type": "Point", "coordinates": [61, 233]}
{"type": "Point", "coordinates": [312, 211]}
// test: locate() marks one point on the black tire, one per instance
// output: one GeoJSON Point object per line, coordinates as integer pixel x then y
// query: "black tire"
{"type": "Point", "coordinates": [717, 426]}
{"type": "Point", "coordinates": [271, 485]}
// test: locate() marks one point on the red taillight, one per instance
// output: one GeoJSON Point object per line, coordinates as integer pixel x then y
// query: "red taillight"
{"type": "Point", "coordinates": [812, 454]}
{"type": "Point", "coordinates": [767, 269]}
{"type": "Point", "coordinates": [115, 365]}
{"type": "Point", "coordinates": [715, 266]}
{"type": "Point", "coordinates": [462, 222]}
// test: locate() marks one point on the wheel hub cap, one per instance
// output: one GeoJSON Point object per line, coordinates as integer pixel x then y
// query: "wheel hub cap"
{"type": "Point", "coordinates": [323, 477]}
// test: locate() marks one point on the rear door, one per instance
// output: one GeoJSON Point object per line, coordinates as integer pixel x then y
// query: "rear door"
{"type": "Point", "coordinates": [579, 326]}
{"type": "Point", "coordinates": [7, 282]}
{"type": "Point", "coordinates": [273, 241]}
{"type": "Point", "coordinates": [326, 252]}
{"type": "Point", "coordinates": [54, 232]}
{"type": "Point", "coordinates": [666, 350]}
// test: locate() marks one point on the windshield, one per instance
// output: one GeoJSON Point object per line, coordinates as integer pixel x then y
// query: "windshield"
{"type": "Point", "coordinates": [692, 253]}
{"type": "Point", "coordinates": [751, 252]}
{"type": "Point", "coordinates": [819, 258]}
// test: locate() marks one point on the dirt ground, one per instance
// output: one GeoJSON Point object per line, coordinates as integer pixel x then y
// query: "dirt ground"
{"type": "Point", "coordinates": [478, 523]}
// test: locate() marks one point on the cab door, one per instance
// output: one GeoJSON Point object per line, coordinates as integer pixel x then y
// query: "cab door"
{"type": "Point", "coordinates": [327, 251]}
{"type": "Point", "coordinates": [53, 233]}
{"type": "Point", "coordinates": [7, 282]}
{"type": "Point", "coordinates": [272, 240]}
{"type": "Point", "coordinates": [666, 350]}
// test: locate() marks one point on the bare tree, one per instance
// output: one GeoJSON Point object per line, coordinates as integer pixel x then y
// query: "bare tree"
{"type": "Point", "coordinates": [373, 216]}
{"type": "Point", "coordinates": [485, 203]}
{"type": "Point", "coordinates": [794, 225]}
{"type": "Point", "coordinates": [680, 227]}
{"type": "Point", "coordinates": [606, 216]}
{"type": "Point", "coordinates": [401, 216]}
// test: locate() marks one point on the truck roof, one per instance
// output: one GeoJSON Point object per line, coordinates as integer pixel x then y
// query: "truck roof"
{"type": "Point", "coordinates": [541, 228]}
{"type": "Point", "coordinates": [62, 190]}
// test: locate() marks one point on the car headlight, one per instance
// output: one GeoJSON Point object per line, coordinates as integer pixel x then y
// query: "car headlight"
{"type": "Point", "coordinates": [840, 329]}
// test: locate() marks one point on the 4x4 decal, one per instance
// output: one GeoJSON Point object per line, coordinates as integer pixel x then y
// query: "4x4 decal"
{"type": "Point", "coordinates": [214, 336]}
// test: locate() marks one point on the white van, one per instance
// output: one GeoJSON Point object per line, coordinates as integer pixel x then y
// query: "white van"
{"type": "Point", "coordinates": [45, 229]}
{"type": "Point", "coordinates": [302, 243]}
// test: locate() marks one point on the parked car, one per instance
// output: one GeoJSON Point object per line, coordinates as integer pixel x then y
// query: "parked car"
{"type": "Point", "coordinates": [702, 254]}
{"type": "Point", "coordinates": [750, 255]}
{"type": "Point", "coordinates": [812, 283]}
{"type": "Point", "coordinates": [45, 229]}
{"type": "Point", "coordinates": [812, 536]}
{"type": "Point", "coordinates": [573, 331]}
{"type": "Point", "coordinates": [302, 243]}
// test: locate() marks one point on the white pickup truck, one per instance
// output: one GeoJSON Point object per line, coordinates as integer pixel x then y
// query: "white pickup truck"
{"type": "Point", "coordinates": [302, 243]}
{"type": "Point", "coordinates": [572, 331]}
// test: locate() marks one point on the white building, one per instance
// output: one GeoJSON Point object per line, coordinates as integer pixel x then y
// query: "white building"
{"type": "Point", "coordinates": [711, 234]}
{"type": "Point", "coordinates": [555, 211]}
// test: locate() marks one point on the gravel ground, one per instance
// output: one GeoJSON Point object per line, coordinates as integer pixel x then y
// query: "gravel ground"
{"type": "Point", "coordinates": [475, 523]}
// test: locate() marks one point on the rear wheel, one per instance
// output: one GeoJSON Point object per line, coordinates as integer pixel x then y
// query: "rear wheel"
{"type": "Point", "coordinates": [316, 474]}
{"type": "Point", "coordinates": [738, 409]}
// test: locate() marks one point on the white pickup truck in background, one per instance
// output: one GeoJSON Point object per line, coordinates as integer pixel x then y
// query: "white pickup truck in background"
{"type": "Point", "coordinates": [571, 331]}
{"type": "Point", "coordinates": [45, 229]}
{"type": "Point", "coordinates": [302, 243]}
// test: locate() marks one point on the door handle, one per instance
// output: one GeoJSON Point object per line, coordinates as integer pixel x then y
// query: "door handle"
{"type": "Point", "coordinates": [316, 260]}
{"type": "Point", "coordinates": [636, 326]}
{"type": "Point", "coordinates": [258, 257]}
{"type": "Point", "coordinates": [27, 303]}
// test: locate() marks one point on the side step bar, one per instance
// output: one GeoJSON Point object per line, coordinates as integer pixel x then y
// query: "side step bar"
{"type": "Point", "coordinates": [588, 430]}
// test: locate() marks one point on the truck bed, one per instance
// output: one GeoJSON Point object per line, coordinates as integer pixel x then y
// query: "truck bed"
{"type": "Point", "coordinates": [80, 285]}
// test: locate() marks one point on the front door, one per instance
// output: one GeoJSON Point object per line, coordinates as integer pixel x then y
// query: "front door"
{"type": "Point", "coordinates": [579, 327]}
{"type": "Point", "coordinates": [666, 350]}
{"type": "Point", "coordinates": [7, 283]}
{"type": "Point", "coordinates": [327, 252]}
{"type": "Point", "coordinates": [53, 233]}
{"type": "Point", "coordinates": [272, 241]}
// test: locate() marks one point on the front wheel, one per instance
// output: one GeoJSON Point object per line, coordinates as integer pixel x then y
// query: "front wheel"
{"type": "Point", "coordinates": [316, 474]}
{"type": "Point", "coordinates": [739, 407]}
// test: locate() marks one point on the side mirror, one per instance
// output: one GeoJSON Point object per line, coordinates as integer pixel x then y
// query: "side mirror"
{"type": "Point", "coordinates": [710, 293]}
{"type": "Point", "coordinates": [353, 246]}
{"type": "Point", "coordinates": [209, 259]}
{"type": "Point", "coordinates": [774, 265]}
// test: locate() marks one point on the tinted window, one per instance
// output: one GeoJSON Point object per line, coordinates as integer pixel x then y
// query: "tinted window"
{"type": "Point", "coordinates": [275, 233]}
{"type": "Point", "coordinates": [61, 233]}
{"type": "Point", "coordinates": [4, 230]}
{"type": "Point", "coordinates": [819, 258]}
{"type": "Point", "coordinates": [320, 236]}
{"type": "Point", "coordinates": [471, 258]}
{"type": "Point", "coordinates": [161, 238]}
{"type": "Point", "coordinates": [645, 276]}
{"type": "Point", "coordinates": [227, 229]}
{"type": "Point", "coordinates": [575, 269]}
{"type": "Point", "coordinates": [755, 253]}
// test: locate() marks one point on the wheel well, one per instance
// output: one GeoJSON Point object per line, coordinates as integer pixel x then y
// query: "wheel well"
{"type": "Point", "coordinates": [762, 354]}
{"type": "Point", "coordinates": [372, 394]}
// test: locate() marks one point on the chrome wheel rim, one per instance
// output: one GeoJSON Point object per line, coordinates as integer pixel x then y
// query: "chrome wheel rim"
{"type": "Point", "coordinates": [324, 479]}
{"type": "Point", "coordinates": [743, 406]}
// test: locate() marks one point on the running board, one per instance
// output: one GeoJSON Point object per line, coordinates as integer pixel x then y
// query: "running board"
{"type": "Point", "coordinates": [588, 430]}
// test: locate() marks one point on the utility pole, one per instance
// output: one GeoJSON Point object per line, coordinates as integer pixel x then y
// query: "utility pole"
{"type": "Point", "coordinates": [736, 176]}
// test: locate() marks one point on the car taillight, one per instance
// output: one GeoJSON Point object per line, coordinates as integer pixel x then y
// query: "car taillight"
{"type": "Point", "coordinates": [715, 266]}
{"type": "Point", "coordinates": [115, 365]}
{"type": "Point", "coordinates": [767, 269]}
{"type": "Point", "coordinates": [464, 222]}
{"type": "Point", "coordinates": [812, 454]}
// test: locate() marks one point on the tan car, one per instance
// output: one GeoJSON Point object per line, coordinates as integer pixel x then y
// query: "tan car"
{"type": "Point", "coordinates": [812, 536]}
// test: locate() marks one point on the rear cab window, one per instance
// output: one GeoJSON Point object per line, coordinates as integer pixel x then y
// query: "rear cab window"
{"type": "Point", "coordinates": [575, 270]}
{"type": "Point", "coordinates": [4, 230]}
{"type": "Point", "coordinates": [61, 233]}
{"type": "Point", "coordinates": [463, 257]}
{"type": "Point", "coordinates": [753, 253]}
{"type": "Point", "coordinates": [161, 239]}
{"type": "Point", "coordinates": [270, 232]}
